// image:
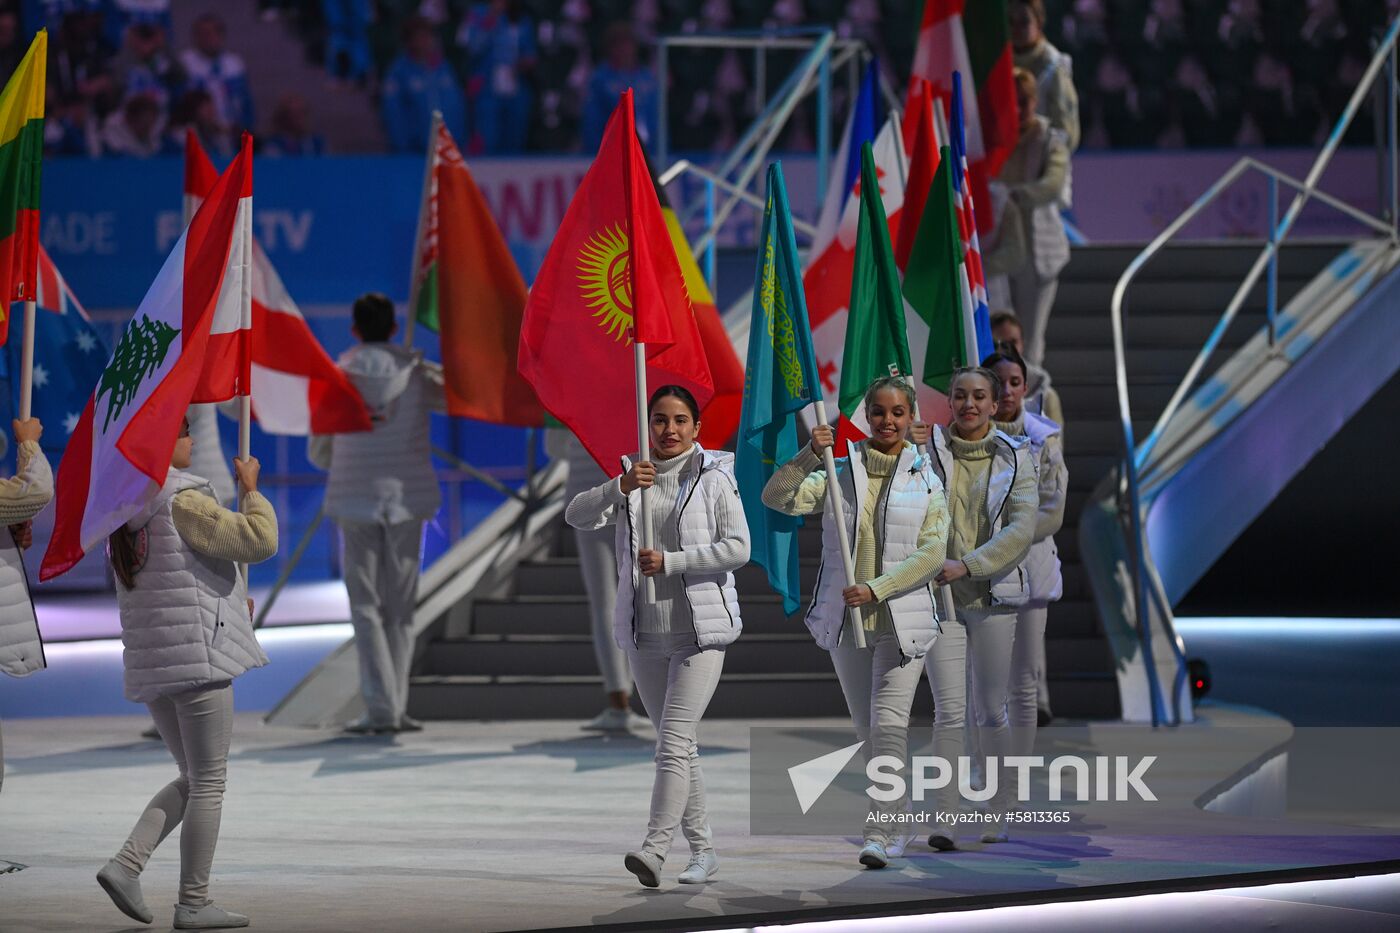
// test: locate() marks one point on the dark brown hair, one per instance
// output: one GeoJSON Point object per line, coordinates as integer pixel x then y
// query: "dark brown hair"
{"type": "Point", "coordinates": [1005, 353]}
{"type": "Point", "coordinates": [680, 392]}
{"type": "Point", "coordinates": [121, 551]}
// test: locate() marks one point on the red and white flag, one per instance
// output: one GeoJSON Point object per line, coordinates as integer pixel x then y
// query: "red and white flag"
{"type": "Point", "coordinates": [942, 49]}
{"type": "Point", "coordinates": [186, 343]}
{"type": "Point", "coordinates": [297, 388]}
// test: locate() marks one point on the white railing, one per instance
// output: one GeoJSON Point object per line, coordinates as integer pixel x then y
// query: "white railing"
{"type": "Point", "coordinates": [1136, 458]}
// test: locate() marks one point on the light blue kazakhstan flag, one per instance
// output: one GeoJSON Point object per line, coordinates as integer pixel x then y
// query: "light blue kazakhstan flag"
{"type": "Point", "coordinates": [781, 380]}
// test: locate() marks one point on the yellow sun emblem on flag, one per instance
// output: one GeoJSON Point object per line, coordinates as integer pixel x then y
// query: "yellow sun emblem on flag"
{"type": "Point", "coordinates": [605, 274]}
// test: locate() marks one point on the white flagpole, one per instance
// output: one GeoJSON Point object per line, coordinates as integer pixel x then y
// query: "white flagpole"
{"type": "Point", "coordinates": [245, 408]}
{"type": "Point", "coordinates": [639, 365]}
{"type": "Point", "coordinates": [838, 508]}
{"type": "Point", "coordinates": [26, 380]}
{"type": "Point", "coordinates": [414, 277]}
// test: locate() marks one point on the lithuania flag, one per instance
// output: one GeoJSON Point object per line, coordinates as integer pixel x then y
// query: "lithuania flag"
{"type": "Point", "coordinates": [21, 155]}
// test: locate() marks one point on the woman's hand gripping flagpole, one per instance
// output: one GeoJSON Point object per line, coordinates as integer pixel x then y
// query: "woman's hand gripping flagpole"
{"type": "Point", "coordinates": [838, 509]}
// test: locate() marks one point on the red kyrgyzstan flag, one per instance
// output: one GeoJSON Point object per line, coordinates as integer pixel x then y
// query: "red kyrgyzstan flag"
{"type": "Point", "coordinates": [611, 276]}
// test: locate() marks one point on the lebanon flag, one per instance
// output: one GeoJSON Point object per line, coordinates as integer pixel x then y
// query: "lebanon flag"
{"type": "Point", "coordinates": [610, 275]}
{"type": "Point", "coordinates": [119, 454]}
{"type": "Point", "coordinates": [721, 415]}
{"type": "Point", "coordinates": [21, 157]}
{"type": "Point", "coordinates": [470, 292]}
{"type": "Point", "coordinates": [945, 35]}
{"type": "Point", "coordinates": [297, 389]}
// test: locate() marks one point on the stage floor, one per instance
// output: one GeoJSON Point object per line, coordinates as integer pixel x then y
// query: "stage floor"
{"type": "Point", "coordinates": [522, 825]}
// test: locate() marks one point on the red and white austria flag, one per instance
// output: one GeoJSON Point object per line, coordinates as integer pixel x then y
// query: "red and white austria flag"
{"type": "Point", "coordinates": [186, 343]}
{"type": "Point", "coordinates": [297, 388]}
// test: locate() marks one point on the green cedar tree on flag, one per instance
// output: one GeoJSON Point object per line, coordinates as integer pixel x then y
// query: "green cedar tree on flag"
{"type": "Point", "coordinates": [876, 342]}
{"type": "Point", "coordinates": [933, 284]}
{"type": "Point", "coordinates": [781, 380]}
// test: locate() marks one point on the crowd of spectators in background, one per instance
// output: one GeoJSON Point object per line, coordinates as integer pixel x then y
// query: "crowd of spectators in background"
{"type": "Point", "coordinates": [543, 75]}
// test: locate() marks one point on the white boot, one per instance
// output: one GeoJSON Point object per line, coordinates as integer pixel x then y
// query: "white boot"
{"type": "Point", "coordinates": [702, 868]}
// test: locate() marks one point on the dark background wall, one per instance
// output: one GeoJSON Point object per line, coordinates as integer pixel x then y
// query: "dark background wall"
{"type": "Point", "coordinates": [1329, 545]}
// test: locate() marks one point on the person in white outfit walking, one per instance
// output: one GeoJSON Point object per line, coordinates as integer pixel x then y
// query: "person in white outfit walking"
{"type": "Point", "coordinates": [993, 501]}
{"type": "Point", "coordinates": [22, 496]}
{"type": "Point", "coordinates": [381, 490]}
{"type": "Point", "coordinates": [1029, 700]}
{"type": "Point", "coordinates": [676, 640]}
{"type": "Point", "coordinates": [187, 632]}
{"type": "Point", "coordinates": [897, 517]}
{"type": "Point", "coordinates": [598, 566]}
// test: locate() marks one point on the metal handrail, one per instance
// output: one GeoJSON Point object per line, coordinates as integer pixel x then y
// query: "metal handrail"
{"type": "Point", "coordinates": [685, 166]}
{"type": "Point", "coordinates": [1133, 458]}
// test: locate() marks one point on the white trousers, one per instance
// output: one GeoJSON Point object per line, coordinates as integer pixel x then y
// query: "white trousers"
{"type": "Point", "coordinates": [381, 576]}
{"type": "Point", "coordinates": [196, 726]}
{"type": "Point", "coordinates": [676, 681]}
{"type": "Point", "coordinates": [598, 562]}
{"type": "Point", "coordinates": [991, 635]}
{"type": "Point", "coordinates": [879, 692]}
{"type": "Point", "coordinates": [1027, 677]}
{"type": "Point", "coordinates": [1032, 297]}
{"type": "Point", "coordinates": [946, 664]}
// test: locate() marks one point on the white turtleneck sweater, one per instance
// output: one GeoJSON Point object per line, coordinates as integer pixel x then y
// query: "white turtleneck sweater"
{"type": "Point", "coordinates": [670, 612]}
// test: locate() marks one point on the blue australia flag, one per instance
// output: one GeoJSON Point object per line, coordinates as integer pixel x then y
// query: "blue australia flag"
{"type": "Point", "coordinates": [68, 358]}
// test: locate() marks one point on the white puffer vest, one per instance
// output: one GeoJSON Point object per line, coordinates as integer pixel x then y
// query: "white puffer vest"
{"type": "Point", "coordinates": [1043, 562]}
{"type": "Point", "coordinates": [185, 623]}
{"type": "Point", "coordinates": [1010, 588]}
{"type": "Point", "coordinates": [714, 602]}
{"type": "Point", "coordinates": [899, 518]}
{"type": "Point", "coordinates": [21, 647]}
{"type": "Point", "coordinates": [385, 475]}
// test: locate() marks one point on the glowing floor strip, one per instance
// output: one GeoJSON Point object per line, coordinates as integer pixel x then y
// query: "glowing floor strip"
{"type": "Point", "coordinates": [1372, 898]}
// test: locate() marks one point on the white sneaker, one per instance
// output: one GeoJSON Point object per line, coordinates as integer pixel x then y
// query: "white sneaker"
{"type": "Point", "coordinates": [207, 917]}
{"type": "Point", "coordinates": [873, 855]}
{"type": "Point", "coordinates": [124, 889]}
{"type": "Point", "coordinates": [611, 719]}
{"type": "Point", "coordinates": [701, 868]}
{"type": "Point", "coordinates": [645, 866]}
{"type": "Point", "coordinates": [995, 831]}
{"type": "Point", "coordinates": [897, 844]}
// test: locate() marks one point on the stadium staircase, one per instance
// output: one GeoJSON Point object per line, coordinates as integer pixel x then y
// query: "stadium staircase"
{"type": "Point", "coordinates": [276, 61]}
{"type": "Point", "coordinates": [524, 651]}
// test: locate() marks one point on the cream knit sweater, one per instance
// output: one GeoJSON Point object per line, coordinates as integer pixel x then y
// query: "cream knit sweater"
{"type": "Point", "coordinates": [971, 541]}
{"type": "Point", "coordinates": [249, 535]}
{"type": "Point", "coordinates": [799, 488]}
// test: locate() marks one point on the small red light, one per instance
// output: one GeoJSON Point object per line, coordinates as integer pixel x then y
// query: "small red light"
{"type": "Point", "coordinates": [1200, 683]}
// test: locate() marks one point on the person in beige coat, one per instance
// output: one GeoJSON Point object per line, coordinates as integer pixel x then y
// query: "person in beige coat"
{"type": "Point", "coordinates": [1035, 175]}
{"type": "Point", "coordinates": [22, 496]}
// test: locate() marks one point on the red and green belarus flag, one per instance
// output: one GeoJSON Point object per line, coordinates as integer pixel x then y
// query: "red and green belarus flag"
{"type": "Point", "coordinates": [469, 291]}
{"type": "Point", "coordinates": [21, 157]}
{"type": "Point", "coordinates": [187, 342]}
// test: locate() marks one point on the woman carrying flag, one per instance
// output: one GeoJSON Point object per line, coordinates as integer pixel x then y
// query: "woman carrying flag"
{"type": "Point", "coordinates": [187, 632]}
{"type": "Point", "coordinates": [993, 501]}
{"type": "Point", "coordinates": [896, 513]}
{"type": "Point", "coordinates": [676, 641]}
